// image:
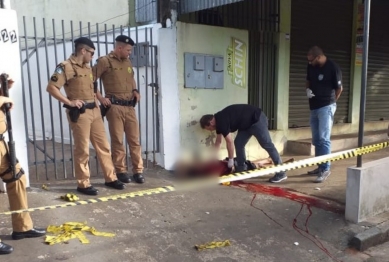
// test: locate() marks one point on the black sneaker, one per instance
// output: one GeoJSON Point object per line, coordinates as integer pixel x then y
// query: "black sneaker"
{"type": "Point", "coordinates": [314, 172]}
{"type": "Point", "coordinates": [34, 232]}
{"type": "Point", "coordinates": [115, 184]}
{"type": "Point", "coordinates": [124, 177]}
{"type": "Point", "coordinates": [278, 178]}
{"type": "Point", "coordinates": [139, 178]}
{"type": "Point", "coordinates": [88, 191]}
{"type": "Point", "coordinates": [5, 249]}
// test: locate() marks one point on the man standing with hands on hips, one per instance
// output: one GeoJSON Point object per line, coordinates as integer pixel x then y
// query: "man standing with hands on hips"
{"type": "Point", "coordinates": [121, 96]}
{"type": "Point", "coordinates": [323, 87]}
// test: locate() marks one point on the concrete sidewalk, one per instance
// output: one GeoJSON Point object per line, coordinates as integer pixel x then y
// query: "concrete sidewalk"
{"type": "Point", "coordinates": [371, 232]}
{"type": "Point", "coordinates": [263, 221]}
{"type": "Point", "coordinates": [334, 188]}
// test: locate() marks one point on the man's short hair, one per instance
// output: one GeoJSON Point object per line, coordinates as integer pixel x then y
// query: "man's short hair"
{"type": "Point", "coordinates": [315, 51]}
{"type": "Point", "coordinates": [205, 120]}
{"type": "Point", "coordinates": [84, 41]}
{"type": "Point", "coordinates": [79, 47]}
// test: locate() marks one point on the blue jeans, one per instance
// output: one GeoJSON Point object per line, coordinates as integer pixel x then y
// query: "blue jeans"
{"type": "Point", "coordinates": [321, 124]}
{"type": "Point", "coordinates": [260, 131]}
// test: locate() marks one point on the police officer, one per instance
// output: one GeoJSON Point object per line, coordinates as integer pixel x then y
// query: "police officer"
{"type": "Point", "coordinates": [121, 95]}
{"type": "Point", "coordinates": [16, 188]}
{"type": "Point", "coordinates": [83, 115]}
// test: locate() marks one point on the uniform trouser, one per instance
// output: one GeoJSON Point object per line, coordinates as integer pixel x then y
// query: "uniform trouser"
{"type": "Point", "coordinates": [90, 127]}
{"type": "Point", "coordinates": [16, 191]}
{"type": "Point", "coordinates": [122, 119]}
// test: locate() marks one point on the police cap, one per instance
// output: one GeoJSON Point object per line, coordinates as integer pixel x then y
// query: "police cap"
{"type": "Point", "coordinates": [124, 39]}
{"type": "Point", "coordinates": [85, 41]}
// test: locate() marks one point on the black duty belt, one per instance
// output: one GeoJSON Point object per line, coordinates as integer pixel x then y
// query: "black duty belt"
{"type": "Point", "coordinates": [90, 105]}
{"type": "Point", "coordinates": [122, 102]}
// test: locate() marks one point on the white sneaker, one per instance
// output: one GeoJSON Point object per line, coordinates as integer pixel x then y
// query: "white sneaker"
{"type": "Point", "coordinates": [322, 176]}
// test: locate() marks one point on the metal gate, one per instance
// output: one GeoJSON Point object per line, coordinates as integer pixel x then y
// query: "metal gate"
{"type": "Point", "coordinates": [262, 68]}
{"type": "Point", "coordinates": [50, 145]}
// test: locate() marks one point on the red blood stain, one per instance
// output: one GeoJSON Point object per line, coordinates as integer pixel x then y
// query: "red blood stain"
{"type": "Point", "coordinates": [295, 196]}
{"type": "Point", "coordinates": [306, 201]}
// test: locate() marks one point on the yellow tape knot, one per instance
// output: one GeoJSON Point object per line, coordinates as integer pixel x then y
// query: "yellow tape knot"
{"type": "Point", "coordinates": [70, 230]}
{"type": "Point", "coordinates": [70, 197]}
{"type": "Point", "coordinates": [213, 244]}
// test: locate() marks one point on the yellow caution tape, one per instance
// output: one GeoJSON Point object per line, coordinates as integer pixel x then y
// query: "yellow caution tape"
{"type": "Point", "coordinates": [213, 180]}
{"type": "Point", "coordinates": [70, 197]}
{"type": "Point", "coordinates": [304, 163]}
{"type": "Point", "coordinates": [213, 244]}
{"type": "Point", "coordinates": [71, 230]}
{"type": "Point", "coordinates": [141, 193]}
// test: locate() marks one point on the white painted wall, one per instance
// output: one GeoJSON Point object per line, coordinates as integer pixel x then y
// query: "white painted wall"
{"type": "Point", "coordinates": [10, 64]}
{"type": "Point", "coordinates": [38, 100]}
{"type": "Point", "coordinates": [96, 11]}
{"type": "Point", "coordinates": [170, 101]}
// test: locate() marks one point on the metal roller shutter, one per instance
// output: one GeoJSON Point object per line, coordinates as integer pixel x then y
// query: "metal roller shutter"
{"type": "Point", "coordinates": [327, 24]}
{"type": "Point", "coordinates": [377, 93]}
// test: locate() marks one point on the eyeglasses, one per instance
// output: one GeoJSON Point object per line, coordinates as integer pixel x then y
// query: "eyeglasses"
{"type": "Point", "coordinates": [91, 52]}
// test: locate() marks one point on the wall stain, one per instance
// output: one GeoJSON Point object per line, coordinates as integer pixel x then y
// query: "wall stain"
{"type": "Point", "coordinates": [193, 107]}
{"type": "Point", "coordinates": [191, 123]}
{"type": "Point", "coordinates": [209, 140]}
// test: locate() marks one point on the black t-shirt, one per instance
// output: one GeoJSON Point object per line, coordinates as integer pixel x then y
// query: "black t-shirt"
{"type": "Point", "coordinates": [236, 117]}
{"type": "Point", "coordinates": [323, 83]}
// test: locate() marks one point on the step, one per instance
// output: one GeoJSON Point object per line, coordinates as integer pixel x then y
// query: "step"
{"type": "Point", "coordinates": [338, 142]}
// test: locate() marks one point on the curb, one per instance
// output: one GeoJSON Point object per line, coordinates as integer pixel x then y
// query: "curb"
{"type": "Point", "coordinates": [371, 237]}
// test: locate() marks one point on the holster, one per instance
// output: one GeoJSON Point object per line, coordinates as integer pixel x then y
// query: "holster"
{"type": "Point", "coordinates": [9, 169]}
{"type": "Point", "coordinates": [14, 178]}
{"type": "Point", "coordinates": [104, 110]}
{"type": "Point", "coordinates": [74, 112]}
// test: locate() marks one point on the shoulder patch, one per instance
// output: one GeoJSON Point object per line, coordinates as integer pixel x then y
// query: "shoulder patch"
{"type": "Point", "coordinates": [54, 78]}
{"type": "Point", "coordinates": [59, 70]}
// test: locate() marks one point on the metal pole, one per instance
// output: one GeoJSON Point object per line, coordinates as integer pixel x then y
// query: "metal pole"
{"type": "Point", "coordinates": [366, 29]}
{"type": "Point", "coordinates": [50, 101]}
{"type": "Point", "coordinates": [31, 97]}
{"type": "Point", "coordinates": [146, 48]}
{"type": "Point", "coordinates": [40, 98]}
{"type": "Point", "coordinates": [70, 131]}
